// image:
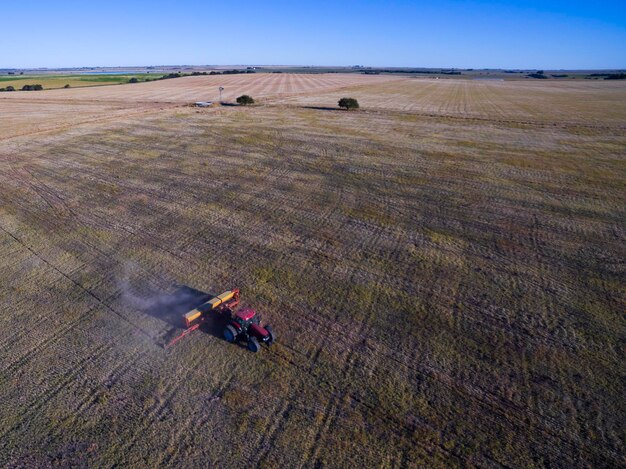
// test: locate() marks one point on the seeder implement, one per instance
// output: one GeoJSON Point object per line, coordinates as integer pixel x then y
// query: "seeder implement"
{"type": "Point", "coordinates": [224, 303]}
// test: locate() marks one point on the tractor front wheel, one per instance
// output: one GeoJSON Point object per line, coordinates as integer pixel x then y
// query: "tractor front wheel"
{"type": "Point", "coordinates": [270, 332]}
{"type": "Point", "coordinates": [230, 333]}
{"type": "Point", "coordinates": [253, 344]}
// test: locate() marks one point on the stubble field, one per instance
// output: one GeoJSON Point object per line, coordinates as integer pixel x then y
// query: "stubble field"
{"type": "Point", "coordinates": [445, 269]}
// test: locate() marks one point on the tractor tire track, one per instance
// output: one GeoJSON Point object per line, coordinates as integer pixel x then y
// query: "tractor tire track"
{"type": "Point", "coordinates": [57, 386]}
{"type": "Point", "coordinates": [87, 291]}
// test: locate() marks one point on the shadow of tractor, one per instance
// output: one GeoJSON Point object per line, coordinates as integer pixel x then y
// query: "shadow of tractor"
{"type": "Point", "coordinates": [171, 307]}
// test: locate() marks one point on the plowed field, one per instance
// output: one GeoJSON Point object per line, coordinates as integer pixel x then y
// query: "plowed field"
{"type": "Point", "coordinates": [444, 268]}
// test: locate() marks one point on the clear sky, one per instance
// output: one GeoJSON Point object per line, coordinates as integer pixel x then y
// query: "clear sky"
{"type": "Point", "coordinates": [548, 34]}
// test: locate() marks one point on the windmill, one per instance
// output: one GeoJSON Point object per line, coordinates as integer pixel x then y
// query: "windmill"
{"type": "Point", "coordinates": [221, 89]}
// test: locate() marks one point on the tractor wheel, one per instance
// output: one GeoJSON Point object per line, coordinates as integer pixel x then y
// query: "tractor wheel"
{"type": "Point", "coordinates": [230, 333]}
{"type": "Point", "coordinates": [270, 331]}
{"type": "Point", "coordinates": [253, 345]}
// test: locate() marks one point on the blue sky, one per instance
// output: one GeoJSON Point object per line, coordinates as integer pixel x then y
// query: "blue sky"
{"type": "Point", "coordinates": [548, 34]}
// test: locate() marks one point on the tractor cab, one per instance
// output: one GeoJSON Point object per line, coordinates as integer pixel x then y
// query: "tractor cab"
{"type": "Point", "coordinates": [245, 318]}
{"type": "Point", "coordinates": [245, 325]}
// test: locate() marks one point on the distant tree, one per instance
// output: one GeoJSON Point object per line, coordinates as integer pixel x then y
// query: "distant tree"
{"type": "Point", "coordinates": [32, 88]}
{"type": "Point", "coordinates": [616, 76]}
{"type": "Point", "coordinates": [244, 100]}
{"type": "Point", "coordinates": [348, 103]}
{"type": "Point", "coordinates": [133, 80]}
{"type": "Point", "coordinates": [66, 86]}
{"type": "Point", "coordinates": [171, 75]}
{"type": "Point", "coordinates": [9, 88]}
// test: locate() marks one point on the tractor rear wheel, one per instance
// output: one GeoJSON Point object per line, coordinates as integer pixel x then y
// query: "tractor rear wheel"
{"type": "Point", "coordinates": [230, 333]}
{"type": "Point", "coordinates": [253, 344]}
{"type": "Point", "coordinates": [270, 332]}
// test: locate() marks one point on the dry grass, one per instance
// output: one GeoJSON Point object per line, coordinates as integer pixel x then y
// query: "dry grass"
{"type": "Point", "coordinates": [23, 113]}
{"type": "Point", "coordinates": [585, 102]}
{"type": "Point", "coordinates": [448, 287]}
{"type": "Point", "coordinates": [190, 89]}
{"type": "Point", "coordinates": [75, 81]}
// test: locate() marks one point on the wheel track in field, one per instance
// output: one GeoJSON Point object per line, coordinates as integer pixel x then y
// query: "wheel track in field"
{"type": "Point", "coordinates": [88, 221]}
{"type": "Point", "coordinates": [161, 406]}
{"type": "Point", "coordinates": [330, 414]}
{"type": "Point", "coordinates": [130, 112]}
{"type": "Point", "coordinates": [154, 413]}
{"type": "Point", "coordinates": [322, 409]}
{"type": "Point", "coordinates": [494, 404]}
{"type": "Point", "coordinates": [485, 397]}
{"type": "Point", "coordinates": [64, 213]}
{"type": "Point", "coordinates": [62, 383]}
{"type": "Point", "coordinates": [10, 340]}
{"type": "Point", "coordinates": [275, 427]}
{"type": "Point", "coordinates": [91, 399]}
{"type": "Point", "coordinates": [130, 233]}
{"type": "Point", "coordinates": [395, 425]}
{"type": "Point", "coordinates": [348, 369]}
{"type": "Point", "coordinates": [256, 199]}
{"type": "Point", "coordinates": [175, 441]}
{"type": "Point", "coordinates": [39, 347]}
{"type": "Point", "coordinates": [84, 289]}
{"type": "Point", "coordinates": [45, 343]}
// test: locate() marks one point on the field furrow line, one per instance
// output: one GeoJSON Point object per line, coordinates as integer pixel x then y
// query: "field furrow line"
{"type": "Point", "coordinates": [57, 386]}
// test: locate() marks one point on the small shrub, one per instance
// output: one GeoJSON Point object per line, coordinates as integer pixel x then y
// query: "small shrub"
{"type": "Point", "coordinates": [10, 88]}
{"type": "Point", "coordinates": [348, 103]}
{"type": "Point", "coordinates": [32, 88]}
{"type": "Point", "coordinates": [66, 86]}
{"type": "Point", "coordinates": [244, 100]}
{"type": "Point", "coordinates": [133, 80]}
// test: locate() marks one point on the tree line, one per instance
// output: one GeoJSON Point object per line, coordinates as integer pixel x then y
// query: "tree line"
{"type": "Point", "coordinates": [24, 88]}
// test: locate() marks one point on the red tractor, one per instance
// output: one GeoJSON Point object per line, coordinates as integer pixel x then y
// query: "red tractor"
{"type": "Point", "coordinates": [245, 325]}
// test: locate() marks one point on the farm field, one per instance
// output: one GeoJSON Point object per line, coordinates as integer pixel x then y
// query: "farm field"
{"type": "Point", "coordinates": [75, 81]}
{"type": "Point", "coordinates": [190, 89]}
{"type": "Point", "coordinates": [27, 112]}
{"type": "Point", "coordinates": [589, 103]}
{"type": "Point", "coordinates": [445, 269]}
